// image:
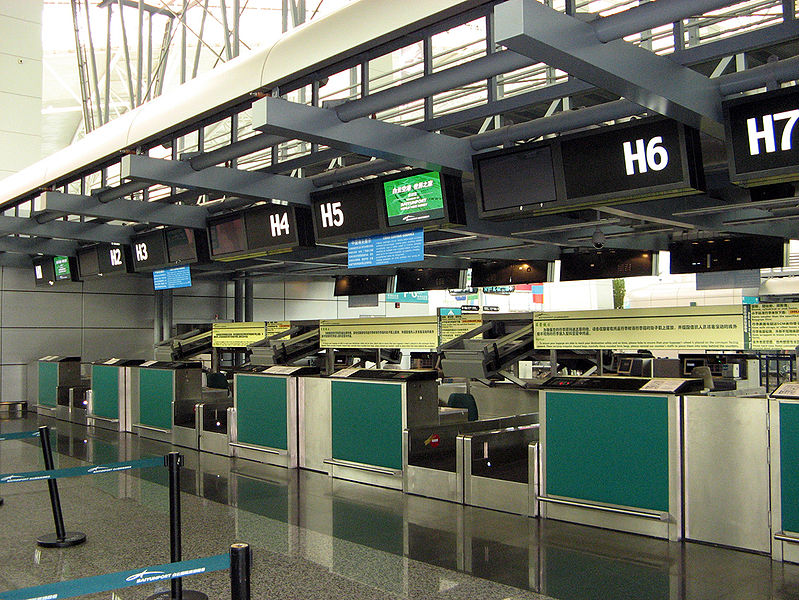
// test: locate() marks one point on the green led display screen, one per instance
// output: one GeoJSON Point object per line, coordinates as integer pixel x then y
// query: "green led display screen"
{"type": "Point", "coordinates": [415, 198]}
{"type": "Point", "coordinates": [62, 271]}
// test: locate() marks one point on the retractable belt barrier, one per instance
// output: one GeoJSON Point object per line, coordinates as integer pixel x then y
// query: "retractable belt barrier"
{"type": "Point", "coordinates": [238, 560]}
{"type": "Point", "coordinates": [157, 461]}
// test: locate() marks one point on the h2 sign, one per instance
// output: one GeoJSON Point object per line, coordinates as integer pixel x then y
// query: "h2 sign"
{"type": "Point", "coordinates": [760, 137]}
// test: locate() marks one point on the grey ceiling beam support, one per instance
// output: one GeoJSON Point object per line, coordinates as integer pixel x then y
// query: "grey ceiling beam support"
{"type": "Point", "coordinates": [655, 82]}
{"type": "Point", "coordinates": [35, 245]}
{"type": "Point", "coordinates": [396, 143]}
{"type": "Point", "coordinates": [235, 182]}
{"type": "Point", "coordinates": [67, 230]}
{"type": "Point", "coordinates": [238, 149]}
{"type": "Point", "coordinates": [650, 15]}
{"type": "Point", "coordinates": [151, 213]}
{"type": "Point", "coordinates": [125, 189]}
{"type": "Point", "coordinates": [778, 71]}
{"type": "Point", "coordinates": [16, 261]}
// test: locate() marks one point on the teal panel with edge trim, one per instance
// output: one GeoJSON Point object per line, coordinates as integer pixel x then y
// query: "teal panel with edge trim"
{"type": "Point", "coordinates": [261, 411]}
{"type": "Point", "coordinates": [156, 392]}
{"type": "Point", "coordinates": [608, 448]}
{"type": "Point", "coordinates": [48, 382]}
{"type": "Point", "coordinates": [367, 423]}
{"type": "Point", "coordinates": [105, 391]}
{"type": "Point", "coordinates": [789, 466]}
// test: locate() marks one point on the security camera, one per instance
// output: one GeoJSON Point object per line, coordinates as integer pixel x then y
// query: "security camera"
{"type": "Point", "coordinates": [598, 239]}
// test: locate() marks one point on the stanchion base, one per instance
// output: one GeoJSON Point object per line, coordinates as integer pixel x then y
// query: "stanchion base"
{"type": "Point", "coordinates": [72, 538]}
{"type": "Point", "coordinates": [1, 502]}
{"type": "Point", "coordinates": [187, 595]}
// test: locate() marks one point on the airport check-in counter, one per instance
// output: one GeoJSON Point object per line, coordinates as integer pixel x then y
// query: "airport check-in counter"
{"type": "Point", "coordinates": [610, 452]}
{"type": "Point", "coordinates": [433, 454]}
{"type": "Point", "coordinates": [351, 424]}
{"type": "Point", "coordinates": [56, 373]}
{"type": "Point", "coordinates": [77, 400]}
{"type": "Point", "coordinates": [164, 399]}
{"type": "Point", "coordinates": [784, 433]}
{"type": "Point", "coordinates": [109, 403]}
{"type": "Point", "coordinates": [263, 421]}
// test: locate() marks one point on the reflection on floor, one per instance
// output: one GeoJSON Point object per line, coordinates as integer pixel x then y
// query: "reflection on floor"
{"type": "Point", "coordinates": [317, 538]}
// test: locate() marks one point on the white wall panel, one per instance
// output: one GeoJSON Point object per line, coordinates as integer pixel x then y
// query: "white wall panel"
{"type": "Point", "coordinates": [30, 10]}
{"type": "Point", "coordinates": [13, 379]}
{"type": "Point", "coordinates": [311, 309]}
{"type": "Point", "coordinates": [121, 343]}
{"type": "Point", "coordinates": [19, 149]}
{"type": "Point", "coordinates": [315, 288]}
{"type": "Point", "coordinates": [21, 114]}
{"type": "Point", "coordinates": [123, 311]}
{"type": "Point", "coordinates": [32, 309]}
{"type": "Point", "coordinates": [21, 78]}
{"type": "Point", "coordinates": [268, 289]}
{"type": "Point", "coordinates": [268, 310]}
{"type": "Point", "coordinates": [23, 345]}
{"type": "Point", "coordinates": [21, 37]}
{"type": "Point", "coordinates": [345, 312]}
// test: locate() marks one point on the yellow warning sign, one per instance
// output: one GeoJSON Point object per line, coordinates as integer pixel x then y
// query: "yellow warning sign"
{"type": "Point", "coordinates": [237, 335]}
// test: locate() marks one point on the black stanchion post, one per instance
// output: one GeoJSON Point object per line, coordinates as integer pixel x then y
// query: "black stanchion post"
{"type": "Point", "coordinates": [173, 461]}
{"type": "Point", "coordinates": [61, 538]}
{"type": "Point", "coordinates": [240, 563]}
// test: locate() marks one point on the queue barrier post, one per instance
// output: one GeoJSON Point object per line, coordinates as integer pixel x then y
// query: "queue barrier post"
{"type": "Point", "coordinates": [240, 565]}
{"type": "Point", "coordinates": [61, 538]}
{"type": "Point", "coordinates": [173, 462]}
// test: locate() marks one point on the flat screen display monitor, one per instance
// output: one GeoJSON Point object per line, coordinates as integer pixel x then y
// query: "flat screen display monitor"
{"type": "Point", "coordinates": [414, 280]}
{"type": "Point", "coordinates": [181, 246]}
{"type": "Point", "coordinates": [414, 199]}
{"type": "Point", "coordinates": [149, 251]}
{"type": "Point", "coordinates": [359, 285]}
{"type": "Point", "coordinates": [517, 181]}
{"type": "Point", "coordinates": [88, 261]}
{"type": "Point", "coordinates": [227, 236]}
{"type": "Point", "coordinates": [606, 263]}
{"type": "Point", "coordinates": [508, 272]}
{"type": "Point", "coordinates": [727, 254]}
{"type": "Point", "coordinates": [625, 366]}
{"type": "Point", "coordinates": [43, 271]}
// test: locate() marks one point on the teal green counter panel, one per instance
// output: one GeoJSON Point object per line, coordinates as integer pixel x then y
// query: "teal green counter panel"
{"type": "Point", "coordinates": [105, 391]}
{"type": "Point", "coordinates": [608, 448]}
{"type": "Point", "coordinates": [48, 381]}
{"type": "Point", "coordinates": [261, 411]}
{"type": "Point", "coordinates": [366, 423]}
{"type": "Point", "coordinates": [789, 466]}
{"type": "Point", "coordinates": [156, 393]}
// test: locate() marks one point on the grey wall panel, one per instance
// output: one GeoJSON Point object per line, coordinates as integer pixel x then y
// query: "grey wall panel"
{"type": "Point", "coordinates": [268, 310]}
{"type": "Point", "coordinates": [26, 114]}
{"type": "Point", "coordinates": [13, 379]}
{"type": "Point", "coordinates": [24, 79]}
{"type": "Point", "coordinates": [41, 309]}
{"type": "Point", "coordinates": [123, 311]}
{"type": "Point", "coordinates": [21, 37]}
{"type": "Point", "coordinates": [29, 10]}
{"type": "Point", "coordinates": [31, 386]}
{"type": "Point", "coordinates": [202, 288]}
{"type": "Point", "coordinates": [197, 308]}
{"type": "Point", "coordinates": [230, 310]}
{"type": "Point", "coordinates": [345, 312]}
{"type": "Point", "coordinates": [311, 309]}
{"type": "Point", "coordinates": [120, 343]}
{"type": "Point", "coordinates": [268, 288]}
{"type": "Point", "coordinates": [120, 284]}
{"type": "Point", "coordinates": [24, 344]}
{"type": "Point", "coordinates": [314, 288]}
{"type": "Point", "coordinates": [22, 279]}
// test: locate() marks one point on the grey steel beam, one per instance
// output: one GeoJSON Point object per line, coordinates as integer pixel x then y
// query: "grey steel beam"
{"type": "Point", "coordinates": [248, 184]}
{"type": "Point", "coordinates": [125, 189]}
{"type": "Point", "coordinates": [238, 149]}
{"type": "Point", "coordinates": [67, 230]}
{"type": "Point", "coordinates": [405, 145]}
{"type": "Point", "coordinates": [35, 245]}
{"type": "Point", "coordinates": [16, 261]}
{"type": "Point", "coordinates": [657, 83]}
{"type": "Point", "coordinates": [780, 71]}
{"type": "Point", "coordinates": [151, 213]}
{"type": "Point", "coordinates": [135, 4]}
{"type": "Point", "coordinates": [651, 15]}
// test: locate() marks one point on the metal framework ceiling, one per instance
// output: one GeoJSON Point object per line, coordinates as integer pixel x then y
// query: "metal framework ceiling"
{"type": "Point", "coordinates": [488, 76]}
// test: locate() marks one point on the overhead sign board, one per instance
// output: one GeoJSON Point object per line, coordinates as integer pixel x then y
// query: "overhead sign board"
{"type": "Point", "coordinates": [237, 335]}
{"type": "Point", "coordinates": [773, 326]}
{"type": "Point", "coordinates": [346, 212]}
{"type": "Point", "coordinates": [452, 326]}
{"type": "Point", "coordinates": [652, 158]}
{"type": "Point", "coordinates": [408, 297]}
{"type": "Point", "coordinates": [149, 251]}
{"type": "Point", "coordinates": [386, 249]}
{"type": "Point", "coordinates": [678, 328]}
{"type": "Point", "coordinates": [762, 137]}
{"type": "Point", "coordinates": [403, 332]}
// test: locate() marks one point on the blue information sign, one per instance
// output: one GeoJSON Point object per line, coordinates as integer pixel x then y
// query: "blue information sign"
{"type": "Point", "coordinates": [167, 279]}
{"type": "Point", "coordinates": [388, 249]}
{"type": "Point", "coordinates": [408, 297]}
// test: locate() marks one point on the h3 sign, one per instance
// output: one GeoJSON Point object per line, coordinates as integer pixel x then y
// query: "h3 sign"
{"type": "Point", "coordinates": [760, 137]}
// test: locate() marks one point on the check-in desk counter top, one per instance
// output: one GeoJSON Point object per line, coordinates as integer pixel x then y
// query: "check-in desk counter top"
{"type": "Point", "coordinates": [351, 423]}
{"type": "Point", "coordinates": [433, 455]}
{"type": "Point", "coordinates": [109, 402]}
{"type": "Point", "coordinates": [55, 372]}
{"type": "Point", "coordinates": [165, 394]}
{"type": "Point", "coordinates": [264, 417]}
{"type": "Point", "coordinates": [784, 444]}
{"type": "Point", "coordinates": [611, 452]}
